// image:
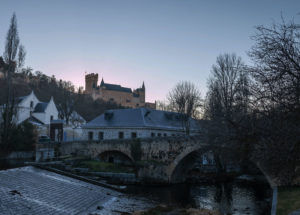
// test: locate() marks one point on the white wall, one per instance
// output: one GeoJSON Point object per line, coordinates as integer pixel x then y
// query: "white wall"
{"type": "Point", "coordinates": [50, 110]}
{"type": "Point", "coordinates": [39, 116]}
{"type": "Point", "coordinates": [113, 133]}
{"type": "Point", "coordinates": [23, 111]}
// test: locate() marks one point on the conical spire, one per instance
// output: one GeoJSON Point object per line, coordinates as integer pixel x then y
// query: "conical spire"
{"type": "Point", "coordinates": [143, 86]}
{"type": "Point", "coordinates": [102, 82]}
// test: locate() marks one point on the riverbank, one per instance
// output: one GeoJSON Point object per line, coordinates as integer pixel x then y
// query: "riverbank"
{"type": "Point", "coordinates": [288, 200]}
{"type": "Point", "coordinates": [167, 210]}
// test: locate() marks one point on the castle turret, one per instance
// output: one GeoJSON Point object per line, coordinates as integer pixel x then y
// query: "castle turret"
{"type": "Point", "coordinates": [143, 86]}
{"type": "Point", "coordinates": [91, 81]}
{"type": "Point", "coordinates": [102, 83]}
{"type": "Point", "coordinates": [142, 92]}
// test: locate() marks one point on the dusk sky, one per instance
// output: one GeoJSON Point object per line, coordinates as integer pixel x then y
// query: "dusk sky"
{"type": "Point", "coordinates": [127, 42]}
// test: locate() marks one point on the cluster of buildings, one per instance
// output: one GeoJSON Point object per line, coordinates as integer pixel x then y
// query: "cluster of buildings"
{"type": "Point", "coordinates": [139, 120]}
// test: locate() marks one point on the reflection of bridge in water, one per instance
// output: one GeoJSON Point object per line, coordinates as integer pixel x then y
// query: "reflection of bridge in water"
{"type": "Point", "coordinates": [165, 158]}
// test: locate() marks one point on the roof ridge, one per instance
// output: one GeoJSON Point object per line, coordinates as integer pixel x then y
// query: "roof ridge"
{"type": "Point", "coordinates": [143, 116]}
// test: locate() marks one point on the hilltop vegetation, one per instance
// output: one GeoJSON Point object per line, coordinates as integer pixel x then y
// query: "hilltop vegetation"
{"type": "Point", "coordinates": [65, 94]}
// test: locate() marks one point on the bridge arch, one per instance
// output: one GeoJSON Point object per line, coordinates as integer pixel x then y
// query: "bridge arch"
{"type": "Point", "coordinates": [115, 156]}
{"type": "Point", "coordinates": [99, 150]}
{"type": "Point", "coordinates": [187, 152]}
{"type": "Point", "coordinates": [200, 150]}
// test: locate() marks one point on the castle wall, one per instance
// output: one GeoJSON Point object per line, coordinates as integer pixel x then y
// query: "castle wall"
{"type": "Point", "coordinates": [124, 98]}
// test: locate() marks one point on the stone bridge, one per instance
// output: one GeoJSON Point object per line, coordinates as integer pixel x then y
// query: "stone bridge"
{"type": "Point", "coordinates": [160, 157]}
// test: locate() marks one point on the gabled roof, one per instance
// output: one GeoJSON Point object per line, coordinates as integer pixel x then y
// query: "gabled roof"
{"type": "Point", "coordinates": [141, 118]}
{"type": "Point", "coordinates": [18, 100]}
{"type": "Point", "coordinates": [40, 107]}
{"type": "Point", "coordinates": [34, 120]}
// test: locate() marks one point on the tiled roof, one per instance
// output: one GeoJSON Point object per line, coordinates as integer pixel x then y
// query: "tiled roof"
{"type": "Point", "coordinates": [40, 107]}
{"type": "Point", "coordinates": [35, 121]}
{"type": "Point", "coordinates": [141, 117]}
{"type": "Point", "coordinates": [116, 87]}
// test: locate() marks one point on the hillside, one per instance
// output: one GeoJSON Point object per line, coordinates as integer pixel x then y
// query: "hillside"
{"type": "Point", "coordinates": [64, 93]}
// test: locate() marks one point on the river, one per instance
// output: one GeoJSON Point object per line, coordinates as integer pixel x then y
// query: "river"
{"type": "Point", "coordinates": [237, 198]}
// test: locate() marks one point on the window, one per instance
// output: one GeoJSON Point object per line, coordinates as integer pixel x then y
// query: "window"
{"type": "Point", "coordinates": [51, 118]}
{"type": "Point", "coordinates": [133, 135]}
{"type": "Point", "coordinates": [173, 135]}
{"type": "Point", "coordinates": [91, 134]}
{"type": "Point", "coordinates": [31, 104]}
{"type": "Point", "coordinates": [121, 135]}
{"type": "Point", "coordinates": [152, 134]}
{"type": "Point", "coordinates": [159, 134]}
{"type": "Point", "coordinates": [165, 134]}
{"type": "Point", "coordinates": [100, 135]}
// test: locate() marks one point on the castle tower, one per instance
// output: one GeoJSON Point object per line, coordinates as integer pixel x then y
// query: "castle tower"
{"type": "Point", "coordinates": [142, 92]}
{"type": "Point", "coordinates": [91, 81]}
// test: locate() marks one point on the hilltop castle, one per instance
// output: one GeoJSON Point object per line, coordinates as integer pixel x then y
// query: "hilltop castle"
{"type": "Point", "coordinates": [116, 93]}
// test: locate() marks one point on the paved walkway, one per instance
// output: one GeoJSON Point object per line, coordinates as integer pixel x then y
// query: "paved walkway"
{"type": "Point", "coordinates": [29, 190]}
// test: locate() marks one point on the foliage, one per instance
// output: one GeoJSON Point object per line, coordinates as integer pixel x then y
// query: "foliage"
{"type": "Point", "coordinates": [22, 138]}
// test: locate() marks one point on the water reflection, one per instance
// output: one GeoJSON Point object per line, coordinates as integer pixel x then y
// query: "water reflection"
{"type": "Point", "coordinates": [229, 198]}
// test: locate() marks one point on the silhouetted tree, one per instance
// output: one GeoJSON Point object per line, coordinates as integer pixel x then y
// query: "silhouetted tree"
{"type": "Point", "coordinates": [11, 50]}
{"type": "Point", "coordinates": [276, 97]}
{"type": "Point", "coordinates": [226, 104]}
{"type": "Point", "coordinates": [185, 99]}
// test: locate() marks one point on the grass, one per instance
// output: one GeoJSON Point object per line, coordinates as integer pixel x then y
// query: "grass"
{"type": "Point", "coordinates": [98, 166]}
{"type": "Point", "coordinates": [288, 200]}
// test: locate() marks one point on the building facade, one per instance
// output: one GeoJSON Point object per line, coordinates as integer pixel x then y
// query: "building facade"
{"type": "Point", "coordinates": [116, 93]}
{"type": "Point", "coordinates": [37, 112]}
{"type": "Point", "coordinates": [137, 123]}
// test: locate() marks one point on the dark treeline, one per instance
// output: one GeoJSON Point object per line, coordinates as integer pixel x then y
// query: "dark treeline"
{"type": "Point", "coordinates": [255, 110]}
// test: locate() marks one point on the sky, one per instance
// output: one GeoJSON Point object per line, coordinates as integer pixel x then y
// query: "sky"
{"type": "Point", "coordinates": [160, 42]}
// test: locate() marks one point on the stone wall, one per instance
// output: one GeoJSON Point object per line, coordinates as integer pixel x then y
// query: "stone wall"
{"type": "Point", "coordinates": [160, 155]}
{"type": "Point", "coordinates": [113, 133]}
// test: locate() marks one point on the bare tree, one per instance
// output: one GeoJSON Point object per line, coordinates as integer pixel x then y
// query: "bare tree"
{"type": "Point", "coordinates": [185, 99]}
{"type": "Point", "coordinates": [276, 96]}
{"type": "Point", "coordinates": [226, 103]}
{"type": "Point", "coordinates": [162, 105]}
{"type": "Point", "coordinates": [68, 101]}
{"type": "Point", "coordinates": [277, 70]}
{"type": "Point", "coordinates": [21, 57]}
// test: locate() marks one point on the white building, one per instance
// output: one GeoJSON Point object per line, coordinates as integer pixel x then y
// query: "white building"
{"type": "Point", "coordinates": [137, 123]}
{"type": "Point", "coordinates": [37, 112]}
